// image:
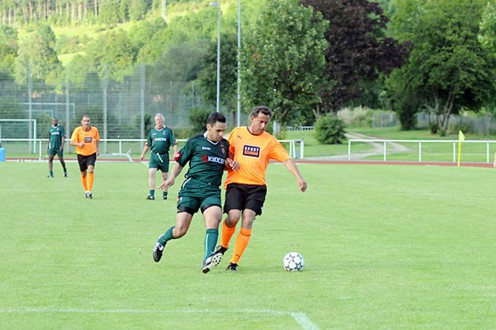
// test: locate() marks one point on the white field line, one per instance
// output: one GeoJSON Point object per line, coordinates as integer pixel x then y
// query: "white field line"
{"type": "Point", "coordinates": [301, 318]}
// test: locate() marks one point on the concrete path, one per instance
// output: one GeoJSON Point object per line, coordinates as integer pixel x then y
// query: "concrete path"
{"type": "Point", "coordinates": [377, 149]}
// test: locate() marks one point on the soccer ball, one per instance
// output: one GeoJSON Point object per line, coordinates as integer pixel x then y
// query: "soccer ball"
{"type": "Point", "coordinates": [293, 262]}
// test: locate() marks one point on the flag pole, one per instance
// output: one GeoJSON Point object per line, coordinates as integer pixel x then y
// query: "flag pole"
{"type": "Point", "coordinates": [461, 138]}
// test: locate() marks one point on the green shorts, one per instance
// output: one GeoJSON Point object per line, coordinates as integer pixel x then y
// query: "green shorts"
{"type": "Point", "coordinates": [159, 161]}
{"type": "Point", "coordinates": [195, 195]}
{"type": "Point", "coordinates": [191, 205]}
{"type": "Point", "coordinates": [56, 151]}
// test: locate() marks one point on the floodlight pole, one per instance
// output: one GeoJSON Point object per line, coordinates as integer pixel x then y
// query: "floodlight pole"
{"type": "Point", "coordinates": [217, 4]}
{"type": "Point", "coordinates": [218, 57]}
{"type": "Point", "coordinates": [238, 108]}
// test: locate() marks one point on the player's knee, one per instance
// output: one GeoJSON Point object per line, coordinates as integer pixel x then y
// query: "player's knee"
{"type": "Point", "coordinates": [231, 222]}
{"type": "Point", "coordinates": [179, 231]}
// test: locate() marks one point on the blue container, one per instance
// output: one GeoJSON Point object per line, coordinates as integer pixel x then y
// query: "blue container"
{"type": "Point", "coordinates": [2, 154]}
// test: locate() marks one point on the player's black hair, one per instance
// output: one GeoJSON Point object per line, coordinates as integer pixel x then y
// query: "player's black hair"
{"type": "Point", "coordinates": [263, 109]}
{"type": "Point", "coordinates": [216, 117]}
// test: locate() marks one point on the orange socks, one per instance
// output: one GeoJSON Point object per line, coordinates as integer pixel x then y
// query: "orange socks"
{"type": "Point", "coordinates": [227, 234]}
{"type": "Point", "coordinates": [83, 180]}
{"type": "Point", "coordinates": [88, 181]}
{"type": "Point", "coordinates": [91, 178]}
{"type": "Point", "coordinates": [241, 243]}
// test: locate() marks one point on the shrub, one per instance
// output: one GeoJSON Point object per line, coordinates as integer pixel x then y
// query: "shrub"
{"type": "Point", "coordinates": [183, 133]}
{"type": "Point", "coordinates": [329, 129]}
{"type": "Point", "coordinates": [198, 118]}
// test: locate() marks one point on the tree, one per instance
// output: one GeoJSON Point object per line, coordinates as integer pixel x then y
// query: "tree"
{"type": "Point", "coordinates": [487, 38]}
{"type": "Point", "coordinates": [228, 72]}
{"type": "Point", "coordinates": [80, 73]}
{"type": "Point", "coordinates": [48, 35]}
{"type": "Point", "coordinates": [109, 13]}
{"type": "Point", "coordinates": [283, 60]}
{"type": "Point", "coordinates": [448, 69]}
{"type": "Point", "coordinates": [37, 59]}
{"type": "Point", "coordinates": [143, 33]}
{"type": "Point", "coordinates": [487, 32]}
{"type": "Point", "coordinates": [357, 49]}
{"type": "Point", "coordinates": [180, 62]}
{"type": "Point", "coordinates": [138, 9]}
{"type": "Point", "coordinates": [112, 54]}
{"type": "Point", "coordinates": [8, 51]}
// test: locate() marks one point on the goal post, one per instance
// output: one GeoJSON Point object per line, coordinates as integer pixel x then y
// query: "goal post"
{"type": "Point", "coordinates": [7, 130]}
{"type": "Point", "coordinates": [296, 148]}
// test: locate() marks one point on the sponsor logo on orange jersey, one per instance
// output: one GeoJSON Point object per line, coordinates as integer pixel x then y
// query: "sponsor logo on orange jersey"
{"type": "Point", "coordinates": [251, 151]}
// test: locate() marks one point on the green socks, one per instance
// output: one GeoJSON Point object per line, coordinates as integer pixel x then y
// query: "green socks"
{"type": "Point", "coordinates": [211, 237]}
{"type": "Point", "coordinates": [166, 237]}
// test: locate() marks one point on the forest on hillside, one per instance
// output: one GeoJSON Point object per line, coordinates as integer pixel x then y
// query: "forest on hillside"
{"type": "Point", "coordinates": [13, 13]}
{"type": "Point", "coordinates": [123, 59]}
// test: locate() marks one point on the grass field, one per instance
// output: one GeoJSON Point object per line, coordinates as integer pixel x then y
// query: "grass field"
{"type": "Point", "coordinates": [385, 247]}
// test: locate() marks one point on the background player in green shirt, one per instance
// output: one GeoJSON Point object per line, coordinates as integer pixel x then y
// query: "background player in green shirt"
{"type": "Point", "coordinates": [56, 141]}
{"type": "Point", "coordinates": [207, 155]}
{"type": "Point", "coordinates": [159, 141]}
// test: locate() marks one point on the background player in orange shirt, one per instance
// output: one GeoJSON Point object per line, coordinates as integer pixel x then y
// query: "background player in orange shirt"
{"type": "Point", "coordinates": [246, 188]}
{"type": "Point", "coordinates": [86, 139]}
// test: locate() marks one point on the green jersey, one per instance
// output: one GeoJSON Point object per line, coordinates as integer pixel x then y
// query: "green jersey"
{"type": "Point", "coordinates": [160, 140]}
{"type": "Point", "coordinates": [56, 133]}
{"type": "Point", "coordinates": [206, 160]}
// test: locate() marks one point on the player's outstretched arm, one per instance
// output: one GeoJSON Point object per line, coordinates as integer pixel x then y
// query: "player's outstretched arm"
{"type": "Point", "coordinates": [172, 177]}
{"type": "Point", "coordinates": [291, 166]}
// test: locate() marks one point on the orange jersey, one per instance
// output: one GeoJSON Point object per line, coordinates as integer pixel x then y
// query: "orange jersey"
{"type": "Point", "coordinates": [253, 153]}
{"type": "Point", "coordinates": [89, 138]}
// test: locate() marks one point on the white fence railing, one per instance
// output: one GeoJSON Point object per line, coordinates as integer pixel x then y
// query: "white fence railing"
{"type": "Point", "coordinates": [115, 147]}
{"type": "Point", "coordinates": [389, 145]}
{"type": "Point", "coordinates": [299, 128]}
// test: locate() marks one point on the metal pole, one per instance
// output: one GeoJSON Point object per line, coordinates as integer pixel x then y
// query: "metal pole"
{"type": "Point", "coordinates": [67, 109]}
{"type": "Point", "coordinates": [142, 126]}
{"type": "Point", "coordinates": [32, 148]}
{"type": "Point", "coordinates": [218, 57]}
{"type": "Point", "coordinates": [105, 92]}
{"type": "Point", "coordinates": [238, 108]}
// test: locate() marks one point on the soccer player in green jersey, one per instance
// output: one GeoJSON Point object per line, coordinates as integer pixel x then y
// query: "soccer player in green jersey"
{"type": "Point", "coordinates": [159, 141]}
{"type": "Point", "coordinates": [56, 141]}
{"type": "Point", "coordinates": [208, 157]}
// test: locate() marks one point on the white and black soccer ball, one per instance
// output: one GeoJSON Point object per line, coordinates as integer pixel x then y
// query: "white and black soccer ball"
{"type": "Point", "coordinates": [293, 262]}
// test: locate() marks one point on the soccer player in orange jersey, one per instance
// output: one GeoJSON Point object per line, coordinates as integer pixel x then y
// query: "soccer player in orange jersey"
{"type": "Point", "coordinates": [246, 188]}
{"type": "Point", "coordinates": [86, 140]}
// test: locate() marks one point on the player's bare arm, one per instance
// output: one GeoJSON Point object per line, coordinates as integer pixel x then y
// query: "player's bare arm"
{"type": "Point", "coordinates": [291, 166]}
{"type": "Point", "coordinates": [172, 177]}
{"type": "Point", "coordinates": [232, 164]}
{"type": "Point", "coordinates": [145, 149]}
{"type": "Point", "coordinates": [77, 144]}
